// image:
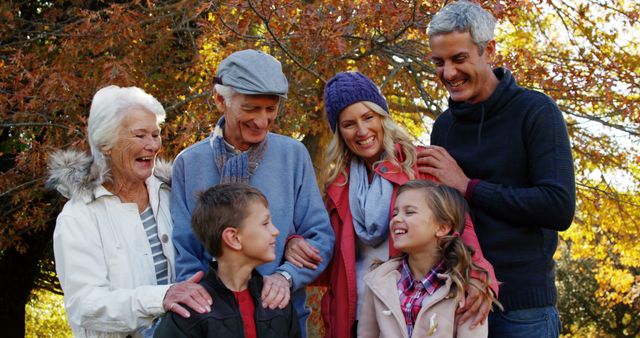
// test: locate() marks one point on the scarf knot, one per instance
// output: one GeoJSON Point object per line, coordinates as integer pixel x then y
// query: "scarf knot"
{"type": "Point", "coordinates": [235, 168]}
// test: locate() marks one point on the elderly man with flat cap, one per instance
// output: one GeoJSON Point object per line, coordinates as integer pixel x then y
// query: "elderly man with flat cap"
{"type": "Point", "coordinates": [250, 86]}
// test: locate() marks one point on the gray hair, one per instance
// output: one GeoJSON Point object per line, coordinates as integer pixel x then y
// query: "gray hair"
{"type": "Point", "coordinates": [227, 92]}
{"type": "Point", "coordinates": [108, 108]}
{"type": "Point", "coordinates": [464, 16]}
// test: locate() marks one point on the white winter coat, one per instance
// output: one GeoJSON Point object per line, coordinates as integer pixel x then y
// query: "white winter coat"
{"type": "Point", "coordinates": [102, 253]}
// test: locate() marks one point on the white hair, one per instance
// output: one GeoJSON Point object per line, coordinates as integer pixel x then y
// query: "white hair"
{"type": "Point", "coordinates": [108, 109]}
{"type": "Point", "coordinates": [227, 92]}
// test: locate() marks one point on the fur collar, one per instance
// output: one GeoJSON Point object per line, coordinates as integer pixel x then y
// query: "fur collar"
{"type": "Point", "coordinates": [73, 174]}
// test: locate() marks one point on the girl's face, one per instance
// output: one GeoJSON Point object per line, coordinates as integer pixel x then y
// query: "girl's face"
{"type": "Point", "coordinates": [361, 130]}
{"type": "Point", "coordinates": [413, 226]}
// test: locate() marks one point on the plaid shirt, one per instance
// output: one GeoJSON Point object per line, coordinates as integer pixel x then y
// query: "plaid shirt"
{"type": "Point", "coordinates": [412, 292]}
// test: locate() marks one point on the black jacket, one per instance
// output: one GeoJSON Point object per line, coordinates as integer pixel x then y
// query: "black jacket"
{"type": "Point", "coordinates": [516, 144]}
{"type": "Point", "coordinates": [225, 319]}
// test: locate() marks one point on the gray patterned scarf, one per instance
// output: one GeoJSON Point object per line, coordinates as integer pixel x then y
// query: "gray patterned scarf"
{"type": "Point", "coordinates": [235, 167]}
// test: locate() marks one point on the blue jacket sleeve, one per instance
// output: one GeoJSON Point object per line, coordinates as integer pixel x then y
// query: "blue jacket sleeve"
{"type": "Point", "coordinates": [311, 222]}
{"type": "Point", "coordinates": [190, 254]}
{"type": "Point", "coordinates": [550, 199]}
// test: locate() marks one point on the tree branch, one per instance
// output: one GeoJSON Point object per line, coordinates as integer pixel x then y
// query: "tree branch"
{"type": "Point", "coordinates": [281, 46]}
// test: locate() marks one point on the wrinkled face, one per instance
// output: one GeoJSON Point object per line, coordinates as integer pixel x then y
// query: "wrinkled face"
{"type": "Point", "coordinates": [249, 119]}
{"type": "Point", "coordinates": [462, 70]}
{"type": "Point", "coordinates": [412, 226]}
{"type": "Point", "coordinates": [138, 141]}
{"type": "Point", "coordinates": [361, 130]}
{"type": "Point", "coordinates": [257, 234]}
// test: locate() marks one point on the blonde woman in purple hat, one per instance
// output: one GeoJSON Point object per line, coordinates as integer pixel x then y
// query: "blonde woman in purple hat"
{"type": "Point", "coordinates": [369, 157]}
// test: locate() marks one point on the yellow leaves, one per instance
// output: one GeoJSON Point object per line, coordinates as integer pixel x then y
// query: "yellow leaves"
{"type": "Point", "coordinates": [626, 319]}
{"type": "Point", "coordinates": [615, 286]}
{"type": "Point", "coordinates": [45, 316]}
{"type": "Point", "coordinates": [409, 122]}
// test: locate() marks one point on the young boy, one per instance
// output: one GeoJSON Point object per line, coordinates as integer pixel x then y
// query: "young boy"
{"type": "Point", "coordinates": [234, 224]}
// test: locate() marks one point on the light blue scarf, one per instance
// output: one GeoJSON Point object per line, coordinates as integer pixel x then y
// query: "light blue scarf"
{"type": "Point", "coordinates": [369, 204]}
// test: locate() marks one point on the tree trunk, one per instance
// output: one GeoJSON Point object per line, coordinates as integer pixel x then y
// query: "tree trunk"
{"type": "Point", "coordinates": [19, 272]}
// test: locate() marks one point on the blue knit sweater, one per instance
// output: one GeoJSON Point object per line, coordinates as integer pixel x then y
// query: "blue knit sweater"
{"type": "Point", "coordinates": [516, 144]}
{"type": "Point", "coordinates": [286, 177]}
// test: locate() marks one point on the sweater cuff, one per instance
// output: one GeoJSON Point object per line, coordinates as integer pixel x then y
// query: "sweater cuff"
{"type": "Point", "coordinates": [471, 187]}
{"type": "Point", "coordinates": [294, 236]}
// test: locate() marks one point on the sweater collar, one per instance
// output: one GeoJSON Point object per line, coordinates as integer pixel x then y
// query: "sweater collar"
{"type": "Point", "coordinates": [487, 109]}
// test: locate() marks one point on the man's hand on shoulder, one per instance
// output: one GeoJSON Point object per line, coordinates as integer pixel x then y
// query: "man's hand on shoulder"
{"type": "Point", "coordinates": [436, 161]}
{"type": "Point", "coordinates": [275, 291]}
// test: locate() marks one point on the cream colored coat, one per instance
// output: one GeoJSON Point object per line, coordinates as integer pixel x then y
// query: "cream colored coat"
{"type": "Point", "coordinates": [381, 315]}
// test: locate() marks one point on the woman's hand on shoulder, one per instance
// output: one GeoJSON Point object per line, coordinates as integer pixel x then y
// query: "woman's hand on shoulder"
{"type": "Point", "coordinates": [188, 293]}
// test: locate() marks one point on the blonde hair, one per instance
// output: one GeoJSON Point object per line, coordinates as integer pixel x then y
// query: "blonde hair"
{"type": "Point", "coordinates": [448, 207]}
{"type": "Point", "coordinates": [339, 155]}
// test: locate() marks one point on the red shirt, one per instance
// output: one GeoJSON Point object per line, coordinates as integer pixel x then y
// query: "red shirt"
{"type": "Point", "coordinates": [247, 309]}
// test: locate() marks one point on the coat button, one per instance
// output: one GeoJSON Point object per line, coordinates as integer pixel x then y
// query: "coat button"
{"type": "Point", "coordinates": [164, 238]}
{"type": "Point", "coordinates": [383, 169]}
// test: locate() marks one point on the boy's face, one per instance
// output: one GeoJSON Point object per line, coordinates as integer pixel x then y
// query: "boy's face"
{"type": "Point", "coordinates": [257, 234]}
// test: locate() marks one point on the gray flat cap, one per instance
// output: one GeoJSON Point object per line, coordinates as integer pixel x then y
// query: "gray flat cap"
{"type": "Point", "coordinates": [253, 72]}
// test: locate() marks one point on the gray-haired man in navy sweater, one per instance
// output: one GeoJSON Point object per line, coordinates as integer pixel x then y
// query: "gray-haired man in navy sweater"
{"type": "Point", "coordinates": [507, 150]}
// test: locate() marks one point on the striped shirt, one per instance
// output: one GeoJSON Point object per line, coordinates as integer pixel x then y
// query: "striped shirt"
{"type": "Point", "coordinates": [412, 292]}
{"type": "Point", "coordinates": [159, 259]}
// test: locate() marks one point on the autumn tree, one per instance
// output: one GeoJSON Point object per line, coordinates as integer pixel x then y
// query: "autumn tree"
{"type": "Point", "coordinates": [55, 55]}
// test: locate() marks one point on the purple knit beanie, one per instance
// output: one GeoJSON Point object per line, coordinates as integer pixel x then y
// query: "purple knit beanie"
{"type": "Point", "coordinates": [347, 88]}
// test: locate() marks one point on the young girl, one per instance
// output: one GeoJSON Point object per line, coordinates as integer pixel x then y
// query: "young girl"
{"type": "Point", "coordinates": [418, 294]}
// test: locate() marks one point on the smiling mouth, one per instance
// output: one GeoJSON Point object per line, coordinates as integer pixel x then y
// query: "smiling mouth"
{"type": "Point", "coordinates": [399, 231]}
{"type": "Point", "coordinates": [144, 159]}
{"type": "Point", "coordinates": [457, 83]}
{"type": "Point", "coordinates": [366, 142]}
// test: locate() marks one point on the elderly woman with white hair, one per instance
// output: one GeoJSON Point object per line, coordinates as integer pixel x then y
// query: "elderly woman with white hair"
{"type": "Point", "coordinates": [112, 243]}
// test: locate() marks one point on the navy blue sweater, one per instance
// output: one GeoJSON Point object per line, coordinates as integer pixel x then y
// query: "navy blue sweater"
{"type": "Point", "coordinates": [516, 144]}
